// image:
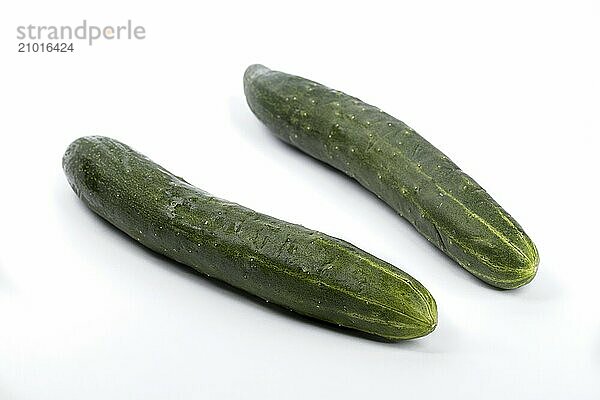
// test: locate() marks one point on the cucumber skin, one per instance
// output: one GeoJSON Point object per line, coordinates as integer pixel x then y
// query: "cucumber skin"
{"type": "Point", "coordinates": [402, 168]}
{"type": "Point", "coordinates": [286, 264]}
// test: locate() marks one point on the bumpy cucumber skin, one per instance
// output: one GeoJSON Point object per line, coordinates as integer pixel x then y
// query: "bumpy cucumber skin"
{"type": "Point", "coordinates": [390, 159]}
{"type": "Point", "coordinates": [298, 268]}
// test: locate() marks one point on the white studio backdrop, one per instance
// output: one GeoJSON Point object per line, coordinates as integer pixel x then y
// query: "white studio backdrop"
{"type": "Point", "coordinates": [509, 90]}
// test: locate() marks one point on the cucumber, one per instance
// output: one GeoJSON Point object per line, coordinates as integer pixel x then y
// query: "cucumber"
{"type": "Point", "coordinates": [301, 269]}
{"type": "Point", "coordinates": [390, 159]}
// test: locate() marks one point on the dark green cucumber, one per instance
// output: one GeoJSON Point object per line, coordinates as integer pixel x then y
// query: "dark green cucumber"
{"type": "Point", "coordinates": [402, 168]}
{"type": "Point", "coordinates": [298, 268]}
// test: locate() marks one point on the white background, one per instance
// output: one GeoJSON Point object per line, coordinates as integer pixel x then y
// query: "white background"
{"type": "Point", "coordinates": [511, 92]}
